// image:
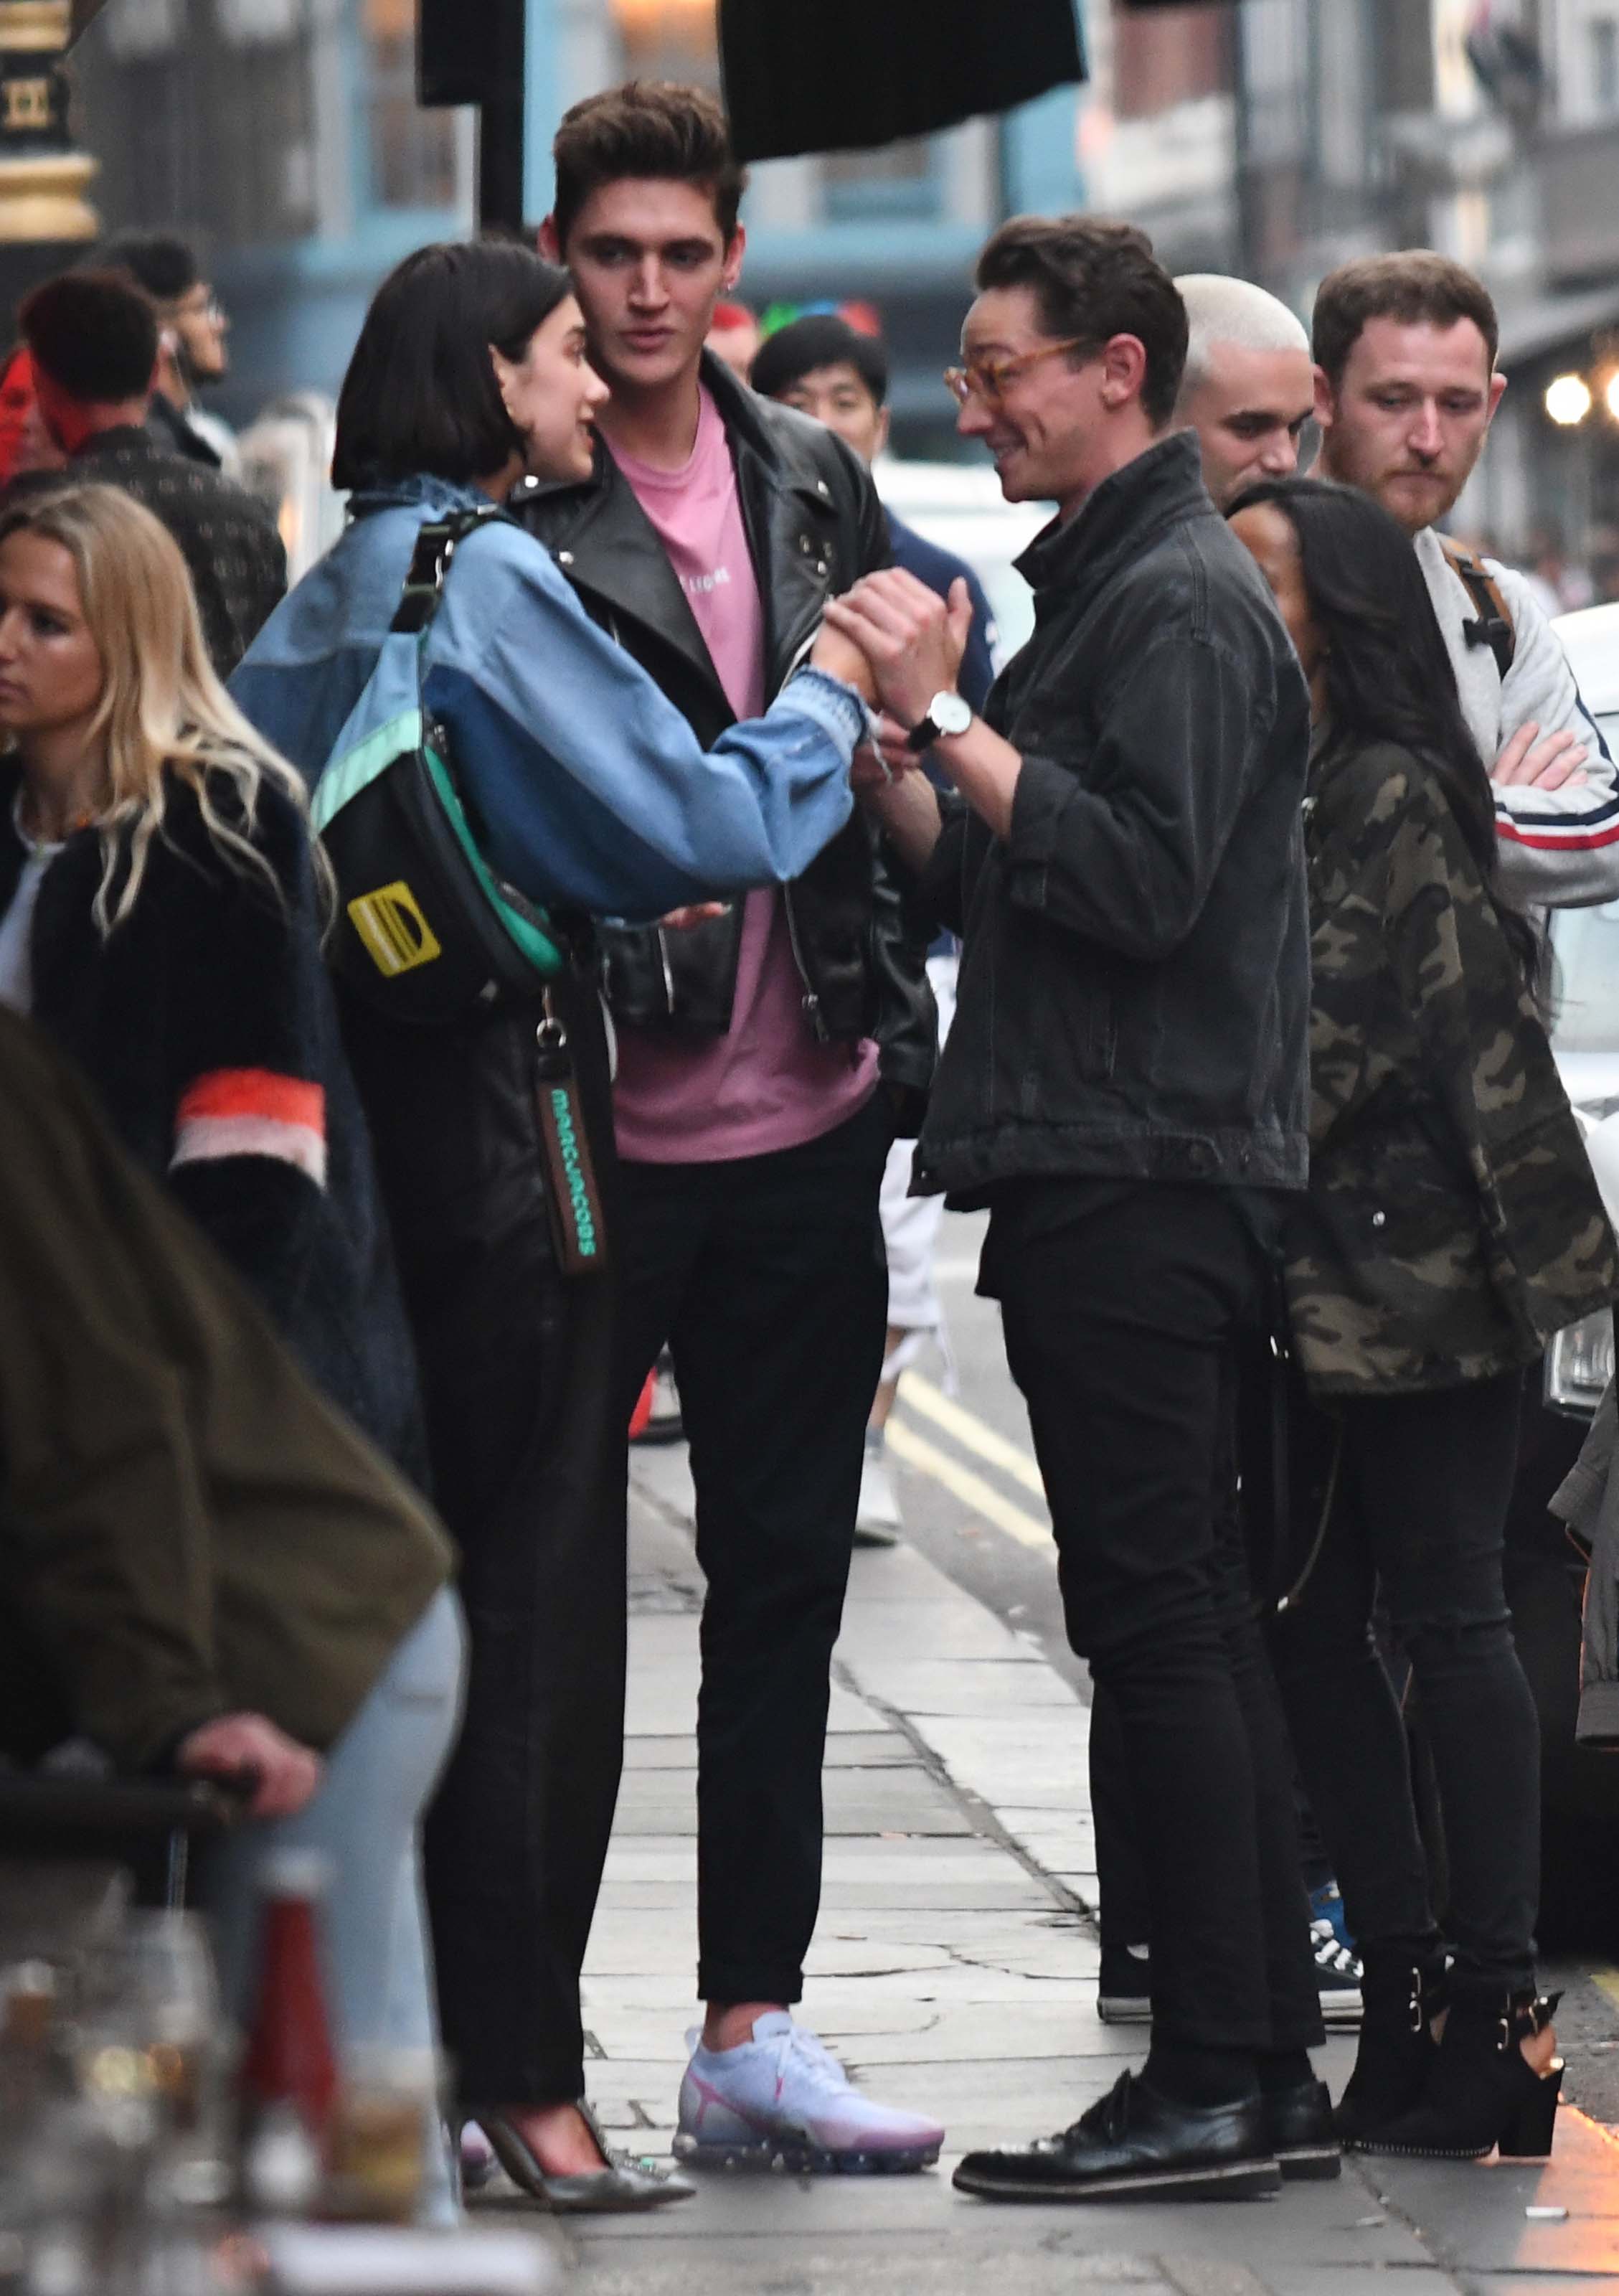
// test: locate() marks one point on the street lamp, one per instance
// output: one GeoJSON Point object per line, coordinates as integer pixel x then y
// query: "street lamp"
{"type": "Point", "coordinates": [1568, 400]}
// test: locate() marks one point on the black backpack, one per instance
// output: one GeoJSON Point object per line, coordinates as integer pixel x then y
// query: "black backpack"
{"type": "Point", "coordinates": [426, 931]}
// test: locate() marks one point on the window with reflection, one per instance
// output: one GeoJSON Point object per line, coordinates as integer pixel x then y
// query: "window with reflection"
{"type": "Point", "coordinates": [669, 39]}
{"type": "Point", "coordinates": [412, 156]}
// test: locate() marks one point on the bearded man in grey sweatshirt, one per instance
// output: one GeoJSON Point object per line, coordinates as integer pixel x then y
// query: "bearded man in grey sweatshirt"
{"type": "Point", "coordinates": [1406, 386]}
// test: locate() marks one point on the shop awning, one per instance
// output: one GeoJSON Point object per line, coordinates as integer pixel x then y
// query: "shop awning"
{"type": "Point", "coordinates": [843, 75]}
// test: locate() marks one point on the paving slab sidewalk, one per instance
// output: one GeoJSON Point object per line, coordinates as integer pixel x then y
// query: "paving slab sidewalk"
{"type": "Point", "coordinates": [954, 1968]}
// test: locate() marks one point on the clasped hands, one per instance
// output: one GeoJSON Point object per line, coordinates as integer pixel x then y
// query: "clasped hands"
{"type": "Point", "coordinates": [898, 644]}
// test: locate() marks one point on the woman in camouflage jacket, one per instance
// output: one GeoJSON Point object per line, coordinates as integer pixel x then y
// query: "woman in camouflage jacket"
{"type": "Point", "coordinates": [1451, 1226]}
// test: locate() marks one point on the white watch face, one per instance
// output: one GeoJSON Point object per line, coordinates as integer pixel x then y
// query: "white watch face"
{"type": "Point", "coordinates": [950, 713]}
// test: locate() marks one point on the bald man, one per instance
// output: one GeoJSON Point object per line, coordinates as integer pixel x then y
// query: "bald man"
{"type": "Point", "coordinates": [1249, 383]}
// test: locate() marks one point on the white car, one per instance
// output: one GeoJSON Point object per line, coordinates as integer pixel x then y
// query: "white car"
{"type": "Point", "coordinates": [1585, 1020]}
{"type": "Point", "coordinates": [285, 459]}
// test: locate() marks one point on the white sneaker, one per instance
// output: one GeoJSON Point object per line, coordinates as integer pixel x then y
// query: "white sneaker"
{"type": "Point", "coordinates": [1339, 1974]}
{"type": "Point", "coordinates": [783, 2100]}
{"type": "Point", "coordinates": [876, 1518]}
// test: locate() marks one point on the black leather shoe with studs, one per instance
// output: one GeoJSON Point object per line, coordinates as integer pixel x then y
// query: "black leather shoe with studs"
{"type": "Point", "coordinates": [1132, 2140]}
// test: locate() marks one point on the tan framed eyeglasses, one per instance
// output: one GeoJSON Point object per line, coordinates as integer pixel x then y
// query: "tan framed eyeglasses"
{"type": "Point", "coordinates": [986, 379]}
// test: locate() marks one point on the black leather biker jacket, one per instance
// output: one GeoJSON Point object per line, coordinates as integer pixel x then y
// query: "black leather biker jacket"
{"type": "Point", "coordinates": [813, 526]}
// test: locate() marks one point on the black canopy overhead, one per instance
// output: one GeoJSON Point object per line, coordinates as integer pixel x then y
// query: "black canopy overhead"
{"type": "Point", "coordinates": [841, 75]}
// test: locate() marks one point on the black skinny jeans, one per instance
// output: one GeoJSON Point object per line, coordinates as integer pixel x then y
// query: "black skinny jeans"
{"type": "Point", "coordinates": [767, 1278]}
{"type": "Point", "coordinates": [1120, 1303]}
{"type": "Point", "coordinates": [1423, 1486]}
{"type": "Point", "coordinates": [527, 1450]}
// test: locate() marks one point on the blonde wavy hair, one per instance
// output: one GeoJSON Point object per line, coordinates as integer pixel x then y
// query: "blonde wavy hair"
{"type": "Point", "coordinates": [162, 709]}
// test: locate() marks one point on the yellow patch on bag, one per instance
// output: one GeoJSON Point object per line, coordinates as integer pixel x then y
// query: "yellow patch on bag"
{"type": "Point", "coordinates": [389, 921]}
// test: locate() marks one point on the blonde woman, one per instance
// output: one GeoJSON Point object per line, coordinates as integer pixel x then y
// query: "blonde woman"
{"type": "Point", "coordinates": [160, 909]}
{"type": "Point", "coordinates": [160, 915]}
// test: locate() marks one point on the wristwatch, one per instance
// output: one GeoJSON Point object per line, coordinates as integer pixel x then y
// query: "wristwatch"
{"type": "Point", "coordinates": [947, 713]}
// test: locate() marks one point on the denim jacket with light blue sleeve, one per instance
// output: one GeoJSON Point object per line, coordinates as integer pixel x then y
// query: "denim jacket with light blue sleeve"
{"type": "Point", "coordinates": [592, 790]}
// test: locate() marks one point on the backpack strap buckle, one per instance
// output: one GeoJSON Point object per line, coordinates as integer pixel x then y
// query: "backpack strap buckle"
{"type": "Point", "coordinates": [435, 548]}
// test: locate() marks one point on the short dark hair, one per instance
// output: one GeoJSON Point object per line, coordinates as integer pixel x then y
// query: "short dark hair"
{"type": "Point", "coordinates": [1096, 280]}
{"type": "Point", "coordinates": [420, 394]}
{"type": "Point", "coordinates": [1413, 286]}
{"type": "Point", "coordinates": [93, 334]}
{"type": "Point", "coordinates": [820, 338]}
{"type": "Point", "coordinates": [163, 268]}
{"type": "Point", "coordinates": [652, 129]}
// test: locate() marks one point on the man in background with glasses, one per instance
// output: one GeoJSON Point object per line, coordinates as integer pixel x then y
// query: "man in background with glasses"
{"type": "Point", "coordinates": [192, 351]}
{"type": "Point", "coordinates": [1124, 1090]}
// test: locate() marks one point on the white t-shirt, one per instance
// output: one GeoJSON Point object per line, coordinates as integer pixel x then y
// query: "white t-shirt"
{"type": "Point", "coordinates": [17, 925]}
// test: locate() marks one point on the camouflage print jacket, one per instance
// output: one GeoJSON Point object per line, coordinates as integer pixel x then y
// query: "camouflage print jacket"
{"type": "Point", "coordinates": [1451, 1224]}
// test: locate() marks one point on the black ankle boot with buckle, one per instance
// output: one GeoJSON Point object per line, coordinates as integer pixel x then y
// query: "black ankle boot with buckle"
{"type": "Point", "coordinates": [1401, 1996]}
{"type": "Point", "coordinates": [1483, 2094]}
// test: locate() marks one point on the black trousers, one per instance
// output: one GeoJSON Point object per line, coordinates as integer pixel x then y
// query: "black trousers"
{"type": "Point", "coordinates": [765, 1276]}
{"type": "Point", "coordinates": [1422, 1488]}
{"type": "Point", "coordinates": [1125, 1915]}
{"type": "Point", "coordinates": [1121, 1303]}
{"type": "Point", "coordinates": [526, 1442]}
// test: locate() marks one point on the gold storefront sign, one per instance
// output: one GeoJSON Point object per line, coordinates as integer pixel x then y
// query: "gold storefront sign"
{"type": "Point", "coordinates": [45, 26]}
{"type": "Point", "coordinates": [43, 180]}
{"type": "Point", "coordinates": [28, 103]}
{"type": "Point", "coordinates": [44, 198]}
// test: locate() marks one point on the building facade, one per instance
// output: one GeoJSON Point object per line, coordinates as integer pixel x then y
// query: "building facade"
{"type": "Point", "coordinates": [1488, 129]}
{"type": "Point", "coordinates": [1275, 138]}
{"type": "Point", "coordinates": [284, 137]}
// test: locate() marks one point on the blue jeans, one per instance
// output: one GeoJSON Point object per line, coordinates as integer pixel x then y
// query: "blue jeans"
{"type": "Point", "coordinates": [365, 1820]}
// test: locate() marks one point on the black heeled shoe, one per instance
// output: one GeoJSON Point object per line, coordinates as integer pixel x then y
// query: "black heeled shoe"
{"type": "Point", "coordinates": [1483, 2095]}
{"type": "Point", "coordinates": [620, 2186]}
{"type": "Point", "coordinates": [1394, 2061]}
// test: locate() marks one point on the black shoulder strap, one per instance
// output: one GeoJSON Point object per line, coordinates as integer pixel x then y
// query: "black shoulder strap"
{"type": "Point", "coordinates": [436, 545]}
{"type": "Point", "coordinates": [1493, 626]}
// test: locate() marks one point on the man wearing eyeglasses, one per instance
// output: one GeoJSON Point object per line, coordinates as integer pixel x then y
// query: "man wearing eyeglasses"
{"type": "Point", "coordinates": [192, 350]}
{"type": "Point", "coordinates": [1124, 1089]}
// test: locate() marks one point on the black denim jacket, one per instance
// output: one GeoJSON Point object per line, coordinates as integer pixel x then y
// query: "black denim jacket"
{"type": "Point", "coordinates": [1135, 991]}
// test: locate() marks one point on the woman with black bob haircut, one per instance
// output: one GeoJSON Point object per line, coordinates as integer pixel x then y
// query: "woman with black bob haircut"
{"type": "Point", "coordinates": [1451, 1226]}
{"type": "Point", "coordinates": [421, 394]}
{"type": "Point", "coordinates": [591, 796]}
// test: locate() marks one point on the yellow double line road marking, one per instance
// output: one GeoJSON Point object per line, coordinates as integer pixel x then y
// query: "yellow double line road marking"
{"type": "Point", "coordinates": [964, 1427]}
{"type": "Point", "coordinates": [1606, 1981]}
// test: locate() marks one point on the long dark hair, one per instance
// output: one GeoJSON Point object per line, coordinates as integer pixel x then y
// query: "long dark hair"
{"type": "Point", "coordinates": [420, 395]}
{"type": "Point", "coordinates": [1388, 676]}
